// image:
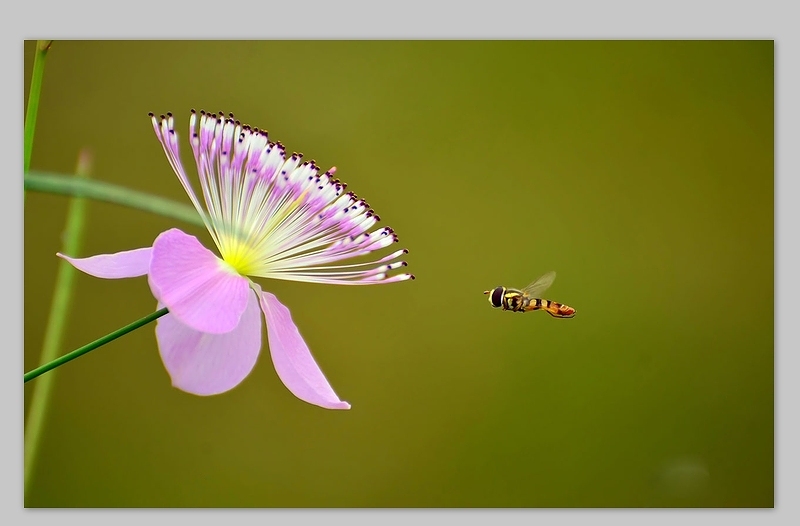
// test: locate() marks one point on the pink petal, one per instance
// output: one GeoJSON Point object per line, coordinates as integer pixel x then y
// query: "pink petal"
{"type": "Point", "coordinates": [293, 361]}
{"type": "Point", "coordinates": [195, 285]}
{"type": "Point", "coordinates": [127, 264]}
{"type": "Point", "coordinates": [209, 364]}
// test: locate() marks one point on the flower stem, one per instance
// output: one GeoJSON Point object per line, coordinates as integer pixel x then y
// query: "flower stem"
{"type": "Point", "coordinates": [56, 320]}
{"type": "Point", "coordinates": [42, 47]}
{"type": "Point", "coordinates": [100, 191]}
{"type": "Point", "coordinates": [30, 375]}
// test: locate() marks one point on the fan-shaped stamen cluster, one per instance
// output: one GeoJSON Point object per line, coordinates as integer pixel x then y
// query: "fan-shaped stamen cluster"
{"type": "Point", "coordinates": [277, 217]}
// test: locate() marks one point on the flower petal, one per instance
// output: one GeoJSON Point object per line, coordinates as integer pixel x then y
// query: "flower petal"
{"type": "Point", "coordinates": [127, 264]}
{"type": "Point", "coordinates": [195, 285]}
{"type": "Point", "coordinates": [208, 364]}
{"type": "Point", "coordinates": [293, 361]}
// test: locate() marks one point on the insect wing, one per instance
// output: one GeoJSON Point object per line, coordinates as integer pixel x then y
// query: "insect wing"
{"type": "Point", "coordinates": [537, 288]}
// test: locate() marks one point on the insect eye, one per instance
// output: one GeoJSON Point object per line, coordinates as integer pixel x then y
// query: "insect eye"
{"type": "Point", "coordinates": [497, 297]}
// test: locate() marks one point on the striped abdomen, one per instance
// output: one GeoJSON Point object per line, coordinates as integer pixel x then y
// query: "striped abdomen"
{"type": "Point", "coordinates": [553, 308]}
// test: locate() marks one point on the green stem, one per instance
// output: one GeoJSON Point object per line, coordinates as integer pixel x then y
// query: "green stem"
{"type": "Point", "coordinates": [30, 375]}
{"type": "Point", "coordinates": [42, 47]}
{"type": "Point", "coordinates": [110, 193]}
{"type": "Point", "coordinates": [56, 320]}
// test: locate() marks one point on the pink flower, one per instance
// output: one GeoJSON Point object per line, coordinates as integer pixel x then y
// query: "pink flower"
{"type": "Point", "coordinates": [270, 217]}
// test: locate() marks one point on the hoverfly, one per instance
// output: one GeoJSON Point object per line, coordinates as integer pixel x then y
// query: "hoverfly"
{"type": "Point", "coordinates": [529, 298]}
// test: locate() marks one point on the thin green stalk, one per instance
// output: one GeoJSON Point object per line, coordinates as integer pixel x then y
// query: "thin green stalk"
{"type": "Point", "coordinates": [59, 310]}
{"type": "Point", "coordinates": [42, 47]}
{"type": "Point", "coordinates": [66, 185]}
{"type": "Point", "coordinates": [30, 375]}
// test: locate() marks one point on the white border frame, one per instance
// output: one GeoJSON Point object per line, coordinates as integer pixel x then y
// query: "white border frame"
{"type": "Point", "coordinates": [413, 19]}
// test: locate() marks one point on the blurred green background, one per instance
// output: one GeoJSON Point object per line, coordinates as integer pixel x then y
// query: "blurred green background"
{"type": "Point", "coordinates": [642, 172]}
